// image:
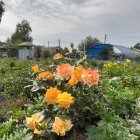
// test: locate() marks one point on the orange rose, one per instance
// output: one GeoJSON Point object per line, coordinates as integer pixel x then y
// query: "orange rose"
{"type": "Point", "coordinates": [73, 81]}
{"type": "Point", "coordinates": [76, 77]}
{"type": "Point", "coordinates": [51, 95]}
{"type": "Point", "coordinates": [90, 77]}
{"type": "Point", "coordinates": [45, 75]}
{"type": "Point", "coordinates": [65, 71]}
{"type": "Point", "coordinates": [35, 68]}
{"type": "Point", "coordinates": [78, 72]}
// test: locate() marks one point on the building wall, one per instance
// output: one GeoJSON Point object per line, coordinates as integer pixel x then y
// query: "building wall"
{"type": "Point", "coordinates": [24, 53]}
{"type": "Point", "coordinates": [52, 49]}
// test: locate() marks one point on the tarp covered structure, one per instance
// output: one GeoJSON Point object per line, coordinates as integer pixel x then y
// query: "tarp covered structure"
{"type": "Point", "coordinates": [96, 50]}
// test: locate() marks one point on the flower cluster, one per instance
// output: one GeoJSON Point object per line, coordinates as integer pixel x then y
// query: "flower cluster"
{"type": "Point", "coordinates": [37, 123]}
{"type": "Point", "coordinates": [53, 96]}
{"type": "Point", "coordinates": [43, 75]}
{"type": "Point", "coordinates": [79, 73]}
{"type": "Point", "coordinates": [113, 68]}
{"type": "Point", "coordinates": [60, 126]}
{"type": "Point", "coordinates": [58, 99]}
{"type": "Point", "coordinates": [111, 64]}
{"type": "Point", "coordinates": [71, 73]}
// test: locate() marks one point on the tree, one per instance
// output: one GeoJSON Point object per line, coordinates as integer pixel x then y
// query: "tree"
{"type": "Point", "coordinates": [137, 46]}
{"type": "Point", "coordinates": [8, 40]}
{"type": "Point", "coordinates": [87, 43]}
{"type": "Point", "coordinates": [22, 33]}
{"type": "Point", "coordinates": [1, 9]}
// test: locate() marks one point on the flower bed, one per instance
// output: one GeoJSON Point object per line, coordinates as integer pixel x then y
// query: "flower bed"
{"type": "Point", "coordinates": [77, 100]}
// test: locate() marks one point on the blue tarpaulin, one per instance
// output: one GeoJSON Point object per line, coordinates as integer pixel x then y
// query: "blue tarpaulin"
{"type": "Point", "coordinates": [96, 50]}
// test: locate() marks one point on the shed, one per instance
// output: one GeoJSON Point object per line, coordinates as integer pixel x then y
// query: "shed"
{"type": "Point", "coordinates": [25, 50]}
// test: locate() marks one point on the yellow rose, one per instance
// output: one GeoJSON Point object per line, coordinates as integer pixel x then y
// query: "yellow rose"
{"type": "Point", "coordinates": [65, 100]}
{"type": "Point", "coordinates": [34, 120]}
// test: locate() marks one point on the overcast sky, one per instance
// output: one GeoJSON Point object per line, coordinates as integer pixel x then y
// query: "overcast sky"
{"type": "Point", "coordinates": [73, 20]}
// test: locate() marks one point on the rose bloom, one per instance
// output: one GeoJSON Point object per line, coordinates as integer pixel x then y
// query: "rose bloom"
{"type": "Point", "coordinates": [76, 77]}
{"type": "Point", "coordinates": [78, 72]}
{"type": "Point", "coordinates": [45, 75]}
{"type": "Point", "coordinates": [35, 68]}
{"type": "Point", "coordinates": [61, 126]}
{"type": "Point", "coordinates": [57, 56]}
{"type": "Point", "coordinates": [35, 120]}
{"type": "Point", "coordinates": [65, 71]}
{"type": "Point", "coordinates": [51, 95]}
{"type": "Point", "coordinates": [90, 77]}
{"type": "Point", "coordinates": [65, 100]}
{"type": "Point", "coordinates": [73, 81]}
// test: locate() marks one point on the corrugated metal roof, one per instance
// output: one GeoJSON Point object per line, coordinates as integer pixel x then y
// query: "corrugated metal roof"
{"type": "Point", "coordinates": [30, 44]}
{"type": "Point", "coordinates": [126, 51]}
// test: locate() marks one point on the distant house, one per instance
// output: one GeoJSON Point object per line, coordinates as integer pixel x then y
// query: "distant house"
{"type": "Point", "coordinates": [3, 51]}
{"type": "Point", "coordinates": [54, 49]}
{"type": "Point", "coordinates": [7, 50]}
{"type": "Point", "coordinates": [25, 50]}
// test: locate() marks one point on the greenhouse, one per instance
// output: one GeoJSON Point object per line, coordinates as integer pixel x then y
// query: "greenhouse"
{"type": "Point", "coordinates": [108, 50]}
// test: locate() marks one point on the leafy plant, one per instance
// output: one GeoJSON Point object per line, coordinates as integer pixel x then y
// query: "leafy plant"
{"type": "Point", "coordinates": [135, 121]}
{"type": "Point", "coordinates": [6, 127]}
{"type": "Point", "coordinates": [18, 134]}
{"type": "Point", "coordinates": [113, 129]}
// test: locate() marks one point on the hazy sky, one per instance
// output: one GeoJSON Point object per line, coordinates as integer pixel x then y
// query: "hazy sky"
{"type": "Point", "coordinates": [73, 20]}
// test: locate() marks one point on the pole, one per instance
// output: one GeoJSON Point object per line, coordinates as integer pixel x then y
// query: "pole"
{"type": "Point", "coordinates": [48, 43]}
{"type": "Point", "coordinates": [44, 52]}
{"type": "Point", "coordinates": [105, 39]}
{"type": "Point", "coordinates": [59, 42]}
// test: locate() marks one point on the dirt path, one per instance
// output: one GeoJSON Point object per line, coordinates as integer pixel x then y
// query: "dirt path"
{"type": "Point", "coordinates": [5, 102]}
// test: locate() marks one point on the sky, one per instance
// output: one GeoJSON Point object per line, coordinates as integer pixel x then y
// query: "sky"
{"type": "Point", "coordinates": [74, 20]}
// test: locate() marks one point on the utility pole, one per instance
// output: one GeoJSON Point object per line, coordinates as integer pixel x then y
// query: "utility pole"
{"type": "Point", "coordinates": [105, 39]}
{"type": "Point", "coordinates": [48, 43]}
{"type": "Point", "coordinates": [59, 42]}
